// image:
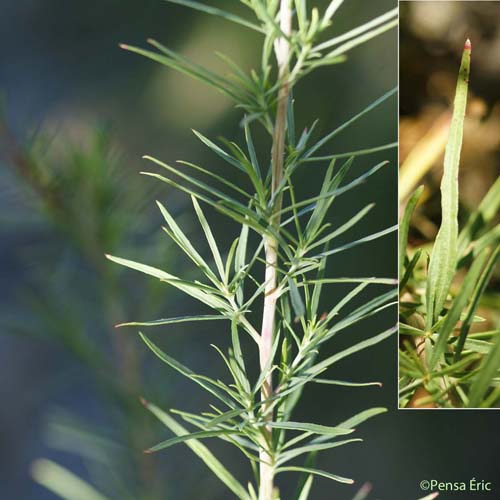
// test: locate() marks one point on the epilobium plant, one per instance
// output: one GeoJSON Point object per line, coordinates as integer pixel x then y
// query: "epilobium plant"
{"type": "Point", "coordinates": [255, 413]}
{"type": "Point", "coordinates": [445, 365]}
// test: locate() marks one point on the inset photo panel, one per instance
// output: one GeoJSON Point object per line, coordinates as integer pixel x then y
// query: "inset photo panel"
{"type": "Point", "coordinates": [449, 196]}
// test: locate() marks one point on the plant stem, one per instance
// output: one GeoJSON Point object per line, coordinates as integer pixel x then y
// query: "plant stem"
{"type": "Point", "coordinates": [282, 50]}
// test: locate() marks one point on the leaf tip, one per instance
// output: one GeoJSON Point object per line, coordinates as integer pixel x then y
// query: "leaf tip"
{"type": "Point", "coordinates": [144, 401]}
{"type": "Point", "coordinates": [467, 45]}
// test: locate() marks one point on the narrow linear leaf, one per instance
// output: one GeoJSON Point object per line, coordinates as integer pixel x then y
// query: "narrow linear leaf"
{"type": "Point", "coordinates": [474, 302]}
{"type": "Point", "coordinates": [404, 227]}
{"type": "Point", "coordinates": [488, 209]}
{"type": "Point", "coordinates": [297, 302]}
{"type": "Point", "coordinates": [63, 482]}
{"type": "Point", "coordinates": [315, 472]}
{"type": "Point", "coordinates": [487, 372]}
{"type": "Point", "coordinates": [323, 365]}
{"type": "Point", "coordinates": [444, 254]}
{"type": "Point", "coordinates": [202, 452]}
{"type": "Point", "coordinates": [353, 154]}
{"type": "Point", "coordinates": [306, 489]}
{"type": "Point", "coordinates": [349, 122]}
{"type": "Point", "coordinates": [228, 16]}
{"type": "Point", "coordinates": [204, 382]}
{"type": "Point", "coordinates": [312, 428]}
{"type": "Point", "coordinates": [297, 452]}
{"type": "Point", "coordinates": [457, 307]}
{"type": "Point", "coordinates": [189, 437]}
{"type": "Point", "coordinates": [179, 319]}
{"type": "Point", "coordinates": [210, 239]}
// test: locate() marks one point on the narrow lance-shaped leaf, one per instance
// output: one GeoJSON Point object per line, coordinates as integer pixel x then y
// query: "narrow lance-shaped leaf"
{"type": "Point", "coordinates": [208, 9]}
{"type": "Point", "coordinates": [210, 239]}
{"type": "Point", "coordinates": [444, 254]}
{"type": "Point", "coordinates": [487, 371]}
{"type": "Point", "coordinates": [459, 304]}
{"type": "Point", "coordinates": [63, 482]}
{"type": "Point", "coordinates": [404, 227]}
{"type": "Point", "coordinates": [316, 472]}
{"type": "Point", "coordinates": [202, 452]}
{"type": "Point", "coordinates": [486, 212]}
{"type": "Point", "coordinates": [476, 296]}
{"type": "Point", "coordinates": [356, 420]}
{"type": "Point", "coordinates": [325, 364]}
{"type": "Point", "coordinates": [204, 382]}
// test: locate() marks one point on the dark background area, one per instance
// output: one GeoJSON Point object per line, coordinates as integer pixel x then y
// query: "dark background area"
{"type": "Point", "coordinates": [62, 74]}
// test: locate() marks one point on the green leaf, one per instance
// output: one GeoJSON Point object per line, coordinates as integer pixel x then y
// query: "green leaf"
{"type": "Point", "coordinates": [315, 472]}
{"type": "Point", "coordinates": [404, 227]}
{"type": "Point", "coordinates": [344, 383]}
{"type": "Point", "coordinates": [325, 200]}
{"type": "Point", "coordinates": [179, 319]}
{"type": "Point", "coordinates": [219, 151]}
{"type": "Point", "coordinates": [202, 452]}
{"type": "Point", "coordinates": [458, 305]}
{"type": "Point", "coordinates": [488, 370]}
{"type": "Point", "coordinates": [175, 61]}
{"type": "Point", "coordinates": [205, 382]}
{"type": "Point", "coordinates": [236, 364]}
{"type": "Point", "coordinates": [360, 241]}
{"type": "Point", "coordinates": [215, 176]}
{"type": "Point", "coordinates": [325, 364]}
{"type": "Point", "coordinates": [336, 192]}
{"type": "Point", "coordinates": [210, 239]}
{"type": "Point", "coordinates": [311, 428]}
{"type": "Point", "coordinates": [344, 227]}
{"type": "Point", "coordinates": [195, 290]}
{"type": "Point", "coordinates": [410, 268]}
{"type": "Point", "coordinates": [486, 212]}
{"type": "Point", "coordinates": [234, 204]}
{"type": "Point", "coordinates": [295, 297]}
{"type": "Point", "coordinates": [474, 302]}
{"type": "Point", "coordinates": [362, 417]}
{"type": "Point", "coordinates": [62, 482]}
{"type": "Point", "coordinates": [306, 488]}
{"type": "Point", "coordinates": [353, 154]}
{"type": "Point", "coordinates": [330, 12]}
{"type": "Point", "coordinates": [296, 452]}
{"type": "Point", "coordinates": [342, 49]}
{"type": "Point", "coordinates": [349, 122]}
{"type": "Point", "coordinates": [189, 437]}
{"type": "Point", "coordinates": [318, 287]}
{"type": "Point", "coordinates": [228, 16]}
{"type": "Point", "coordinates": [359, 30]}
{"type": "Point", "coordinates": [185, 244]}
{"type": "Point", "coordinates": [251, 150]}
{"type": "Point", "coordinates": [445, 252]}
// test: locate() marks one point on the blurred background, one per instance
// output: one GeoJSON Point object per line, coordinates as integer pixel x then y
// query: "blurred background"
{"type": "Point", "coordinates": [78, 113]}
